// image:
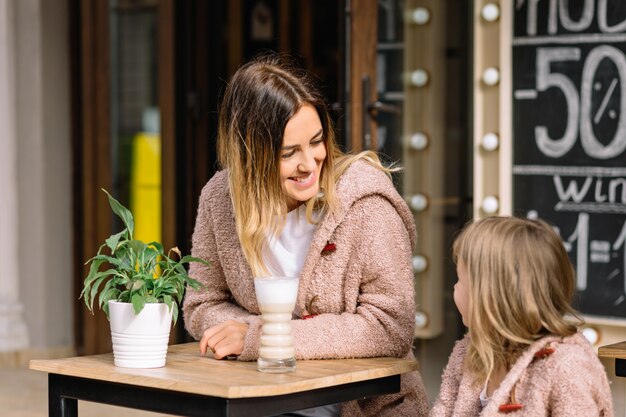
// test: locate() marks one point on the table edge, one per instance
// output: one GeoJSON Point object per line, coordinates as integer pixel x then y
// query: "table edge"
{"type": "Point", "coordinates": [615, 351]}
{"type": "Point", "coordinates": [192, 387]}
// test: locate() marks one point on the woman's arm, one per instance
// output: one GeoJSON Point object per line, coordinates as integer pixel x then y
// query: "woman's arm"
{"type": "Point", "coordinates": [212, 305]}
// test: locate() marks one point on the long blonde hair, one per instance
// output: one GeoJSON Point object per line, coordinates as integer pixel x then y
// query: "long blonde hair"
{"type": "Point", "coordinates": [259, 100]}
{"type": "Point", "coordinates": [521, 284]}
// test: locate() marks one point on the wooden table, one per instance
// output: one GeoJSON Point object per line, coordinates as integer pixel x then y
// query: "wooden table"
{"type": "Point", "coordinates": [616, 351]}
{"type": "Point", "coordinates": [192, 385]}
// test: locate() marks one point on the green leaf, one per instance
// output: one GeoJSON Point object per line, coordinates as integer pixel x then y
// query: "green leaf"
{"type": "Point", "coordinates": [168, 288]}
{"type": "Point", "coordinates": [106, 295]}
{"type": "Point", "coordinates": [196, 285]}
{"type": "Point", "coordinates": [174, 312]}
{"type": "Point", "coordinates": [94, 289]}
{"type": "Point", "coordinates": [180, 269]}
{"type": "Point", "coordinates": [137, 285]}
{"type": "Point", "coordinates": [158, 247]}
{"type": "Point", "coordinates": [113, 240]}
{"type": "Point", "coordinates": [122, 212]}
{"type": "Point", "coordinates": [151, 252]}
{"type": "Point", "coordinates": [138, 302]}
{"type": "Point", "coordinates": [110, 259]}
{"type": "Point", "coordinates": [137, 246]}
{"type": "Point", "coordinates": [188, 258]}
{"type": "Point", "coordinates": [124, 296]}
{"type": "Point", "coordinates": [168, 301]}
{"type": "Point", "coordinates": [92, 282]}
{"type": "Point", "coordinates": [91, 276]}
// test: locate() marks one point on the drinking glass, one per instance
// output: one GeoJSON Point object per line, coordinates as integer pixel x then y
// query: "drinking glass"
{"type": "Point", "coordinates": [276, 297]}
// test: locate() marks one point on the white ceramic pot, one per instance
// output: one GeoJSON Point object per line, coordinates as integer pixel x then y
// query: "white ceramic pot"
{"type": "Point", "coordinates": [139, 340]}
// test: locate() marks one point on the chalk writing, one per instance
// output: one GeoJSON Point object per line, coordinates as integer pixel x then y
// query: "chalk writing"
{"type": "Point", "coordinates": [569, 136]}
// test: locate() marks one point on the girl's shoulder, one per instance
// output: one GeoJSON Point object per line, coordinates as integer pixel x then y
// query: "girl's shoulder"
{"type": "Point", "coordinates": [462, 344]}
{"type": "Point", "coordinates": [562, 346]}
{"type": "Point", "coordinates": [572, 372]}
{"type": "Point", "coordinates": [457, 356]}
{"type": "Point", "coordinates": [572, 355]}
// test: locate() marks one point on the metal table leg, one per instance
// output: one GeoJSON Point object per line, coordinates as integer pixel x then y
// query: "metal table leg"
{"type": "Point", "coordinates": [64, 391]}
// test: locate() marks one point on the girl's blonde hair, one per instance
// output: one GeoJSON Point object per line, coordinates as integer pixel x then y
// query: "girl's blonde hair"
{"type": "Point", "coordinates": [261, 97]}
{"type": "Point", "coordinates": [521, 284]}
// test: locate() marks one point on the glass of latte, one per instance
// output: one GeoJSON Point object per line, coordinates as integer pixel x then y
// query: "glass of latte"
{"type": "Point", "coordinates": [276, 297]}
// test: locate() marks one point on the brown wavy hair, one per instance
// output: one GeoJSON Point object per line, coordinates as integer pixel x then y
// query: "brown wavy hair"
{"type": "Point", "coordinates": [259, 100]}
{"type": "Point", "coordinates": [521, 284]}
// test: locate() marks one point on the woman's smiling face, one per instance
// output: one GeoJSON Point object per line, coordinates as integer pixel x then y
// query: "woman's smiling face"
{"type": "Point", "coordinates": [301, 156]}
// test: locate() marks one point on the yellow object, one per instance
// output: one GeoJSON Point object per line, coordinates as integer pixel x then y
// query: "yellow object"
{"type": "Point", "coordinates": [145, 186]}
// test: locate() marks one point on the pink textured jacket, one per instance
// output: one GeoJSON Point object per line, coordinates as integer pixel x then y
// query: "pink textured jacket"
{"type": "Point", "coordinates": [569, 382]}
{"type": "Point", "coordinates": [363, 289]}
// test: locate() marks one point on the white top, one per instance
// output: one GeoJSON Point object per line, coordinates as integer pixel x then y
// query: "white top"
{"type": "Point", "coordinates": [484, 400]}
{"type": "Point", "coordinates": [284, 256]}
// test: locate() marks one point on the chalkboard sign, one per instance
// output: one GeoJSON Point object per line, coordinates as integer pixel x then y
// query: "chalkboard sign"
{"type": "Point", "coordinates": [569, 136]}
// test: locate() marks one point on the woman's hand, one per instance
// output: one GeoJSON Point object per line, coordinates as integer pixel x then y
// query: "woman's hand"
{"type": "Point", "coordinates": [224, 339]}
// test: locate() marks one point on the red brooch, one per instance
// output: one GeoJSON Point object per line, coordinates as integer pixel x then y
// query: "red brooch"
{"type": "Point", "coordinates": [540, 354]}
{"type": "Point", "coordinates": [330, 247]}
{"type": "Point", "coordinates": [309, 308]}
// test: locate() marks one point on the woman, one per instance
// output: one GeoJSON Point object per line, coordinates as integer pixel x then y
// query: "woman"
{"type": "Point", "coordinates": [288, 202]}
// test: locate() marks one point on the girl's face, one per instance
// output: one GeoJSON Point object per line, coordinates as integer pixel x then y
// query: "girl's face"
{"type": "Point", "coordinates": [301, 156]}
{"type": "Point", "coordinates": [461, 292]}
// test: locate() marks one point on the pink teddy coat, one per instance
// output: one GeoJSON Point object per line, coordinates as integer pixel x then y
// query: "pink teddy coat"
{"type": "Point", "coordinates": [362, 290]}
{"type": "Point", "coordinates": [568, 382]}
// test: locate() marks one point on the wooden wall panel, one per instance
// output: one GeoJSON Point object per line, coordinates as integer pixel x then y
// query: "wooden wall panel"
{"type": "Point", "coordinates": [362, 62]}
{"type": "Point", "coordinates": [92, 148]}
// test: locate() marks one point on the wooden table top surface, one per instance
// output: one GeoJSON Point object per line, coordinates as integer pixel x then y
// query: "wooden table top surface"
{"type": "Point", "coordinates": [616, 350]}
{"type": "Point", "coordinates": [187, 371]}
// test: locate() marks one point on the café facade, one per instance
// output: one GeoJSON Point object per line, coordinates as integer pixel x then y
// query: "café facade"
{"type": "Point", "coordinates": [490, 106]}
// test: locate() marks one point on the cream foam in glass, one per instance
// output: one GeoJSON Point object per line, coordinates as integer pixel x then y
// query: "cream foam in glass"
{"type": "Point", "coordinates": [276, 297]}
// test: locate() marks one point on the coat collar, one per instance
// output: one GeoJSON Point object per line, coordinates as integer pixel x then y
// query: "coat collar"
{"type": "Point", "coordinates": [359, 181]}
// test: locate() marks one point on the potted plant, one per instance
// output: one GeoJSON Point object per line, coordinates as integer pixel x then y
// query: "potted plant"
{"type": "Point", "coordinates": [142, 287]}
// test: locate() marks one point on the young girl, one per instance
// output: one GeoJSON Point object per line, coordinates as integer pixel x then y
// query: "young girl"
{"type": "Point", "coordinates": [521, 355]}
{"type": "Point", "coordinates": [288, 202]}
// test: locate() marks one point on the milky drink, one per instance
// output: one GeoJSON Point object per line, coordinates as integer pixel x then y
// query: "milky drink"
{"type": "Point", "coordinates": [276, 297]}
